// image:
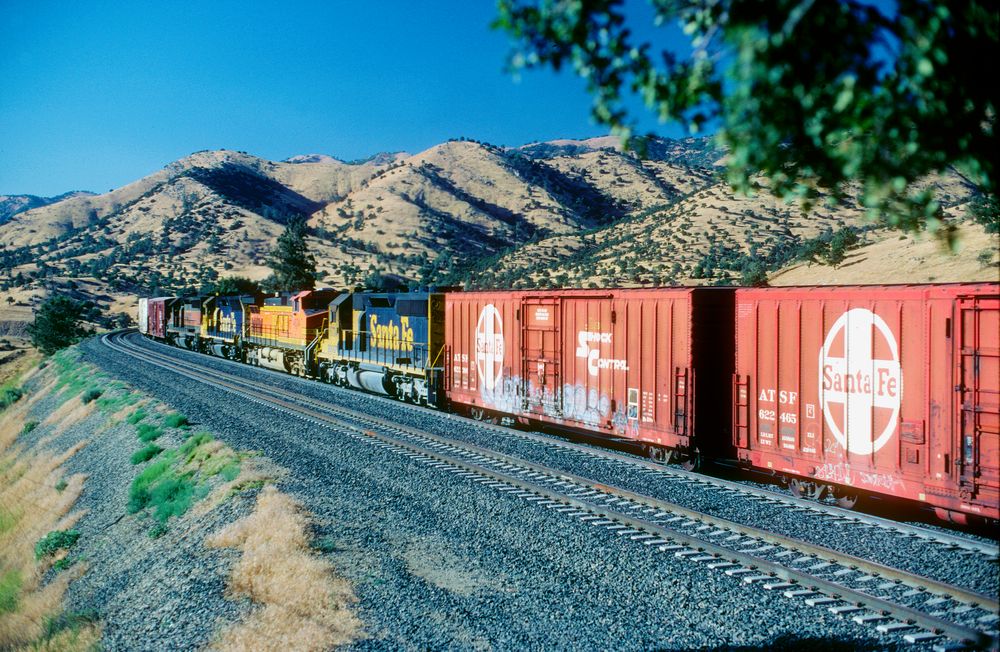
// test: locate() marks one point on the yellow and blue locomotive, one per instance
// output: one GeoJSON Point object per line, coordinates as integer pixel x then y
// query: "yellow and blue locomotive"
{"type": "Point", "coordinates": [390, 344]}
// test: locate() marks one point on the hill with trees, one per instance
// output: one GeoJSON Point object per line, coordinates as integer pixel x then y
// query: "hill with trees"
{"type": "Point", "coordinates": [565, 212]}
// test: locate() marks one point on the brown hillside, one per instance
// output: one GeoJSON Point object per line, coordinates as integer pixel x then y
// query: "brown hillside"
{"type": "Point", "coordinates": [568, 212]}
{"type": "Point", "coordinates": [674, 245]}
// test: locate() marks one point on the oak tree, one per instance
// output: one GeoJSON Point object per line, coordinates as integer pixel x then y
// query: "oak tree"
{"type": "Point", "coordinates": [57, 323]}
{"type": "Point", "coordinates": [806, 96]}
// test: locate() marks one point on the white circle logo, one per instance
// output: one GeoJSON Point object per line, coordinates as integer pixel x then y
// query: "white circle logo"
{"type": "Point", "coordinates": [860, 393]}
{"type": "Point", "coordinates": [489, 348]}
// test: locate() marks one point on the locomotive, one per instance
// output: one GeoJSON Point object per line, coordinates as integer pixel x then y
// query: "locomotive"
{"type": "Point", "coordinates": [838, 391]}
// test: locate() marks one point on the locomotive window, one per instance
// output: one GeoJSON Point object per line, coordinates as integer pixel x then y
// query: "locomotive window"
{"type": "Point", "coordinates": [411, 307]}
{"type": "Point", "coordinates": [380, 302]}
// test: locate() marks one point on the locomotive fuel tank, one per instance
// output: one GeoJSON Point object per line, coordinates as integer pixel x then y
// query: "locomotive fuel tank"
{"type": "Point", "coordinates": [373, 381]}
{"type": "Point", "coordinates": [270, 357]}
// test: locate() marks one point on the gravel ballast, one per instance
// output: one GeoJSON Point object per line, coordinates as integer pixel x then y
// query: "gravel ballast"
{"type": "Point", "coordinates": [973, 572]}
{"type": "Point", "coordinates": [441, 562]}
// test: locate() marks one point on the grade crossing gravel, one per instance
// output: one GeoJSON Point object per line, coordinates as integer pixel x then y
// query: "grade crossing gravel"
{"type": "Point", "coordinates": [439, 562]}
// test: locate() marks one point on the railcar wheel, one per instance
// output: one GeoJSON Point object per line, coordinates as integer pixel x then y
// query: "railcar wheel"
{"type": "Point", "coordinates": [691, 461]}
{"type": "Point", "coordinates": [801, 488]}
{"type": "Point", "coordinates": [951, 516]}
{"type": "Point", "coordinates": [845, 498]}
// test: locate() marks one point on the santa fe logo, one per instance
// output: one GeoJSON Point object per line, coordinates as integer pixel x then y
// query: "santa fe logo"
{"type": "Point", "coordinates": [489, 348]}
{"type": "Point", "coordinates": [860, 393]}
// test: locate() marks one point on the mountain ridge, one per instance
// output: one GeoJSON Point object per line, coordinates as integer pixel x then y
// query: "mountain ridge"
{"type": "Point", "coordinates": [563, 212]}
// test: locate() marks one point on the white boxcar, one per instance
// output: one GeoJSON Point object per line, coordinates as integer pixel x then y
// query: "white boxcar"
{"type": "Point", "coordinates": [144, 316]}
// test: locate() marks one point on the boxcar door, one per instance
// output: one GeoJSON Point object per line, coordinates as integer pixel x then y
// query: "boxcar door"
{"type": "Point", "coordinates": [979, 393]}
{"type": "Point", "coordinates": [541, 321]}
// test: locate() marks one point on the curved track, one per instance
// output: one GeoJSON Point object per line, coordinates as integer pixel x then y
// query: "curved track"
{"type": "Point", "coordinates": [938, 537]}
{"type": "Point", "coordinates": [895, 601]}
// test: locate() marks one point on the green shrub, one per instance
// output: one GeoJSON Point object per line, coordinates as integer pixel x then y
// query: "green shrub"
{"type": "Point", "coordinates": [136, 416]}
{"type": "Point", "coordinates": [146, 453]}
{"type": "Point", "coordinates": [176, 420]}
{"type": "Point", "coordinates": [138, 495]}
{"type": "Point", "coordinates": [10, 587]}
{"type": "Point", "coordinates": [113, 404]}
{"type": "Point", "coordinates": [66, 621]}
{"type": "Point", "coordinates": [187, 450]}
{"type": "Point", "coordinates": [63, 564]}
{"type": "Point", "coordinates": [60, 485]}
{"type": "Point", "coordinates": [54, 541]}
{"type": "Point", "coordinates": [147, 432]}
{"type": "Point", "coordinates": [230, 471]}
{"type": "Point", "coordinates": [91, 395]}
{"type": "Point", "coordinates": [9, 396]}
{"type": "Point", "coordinates": [157, 531]}
{"type": "Point", "coordinates": [325, 545]}
{"type": "Point", "coordinates": [28, 427]}
{"type": "Point", "coordinates": [172, 496]}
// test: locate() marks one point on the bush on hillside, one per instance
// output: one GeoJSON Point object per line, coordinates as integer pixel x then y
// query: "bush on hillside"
{"type": "Point", "coordinates": [57, 324]}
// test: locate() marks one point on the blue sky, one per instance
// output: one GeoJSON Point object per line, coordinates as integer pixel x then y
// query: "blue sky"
{"type": "Point", "coordinates": [97, 94]}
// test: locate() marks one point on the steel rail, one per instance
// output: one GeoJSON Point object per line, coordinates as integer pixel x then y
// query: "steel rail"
{"type": "Point", "coordinates": [840, 592]}
{"type": "Point", "coordinates": [989, 550]}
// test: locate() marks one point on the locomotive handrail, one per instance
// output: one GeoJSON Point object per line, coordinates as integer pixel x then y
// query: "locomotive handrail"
{"type": "Point", "coordinates": [388, 351]}
{"type": "Point", "coordinates": [436, 363]}
{"type": "Point", "coordinates": [311, 347]}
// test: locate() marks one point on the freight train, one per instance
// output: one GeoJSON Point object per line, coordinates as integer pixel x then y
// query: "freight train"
{"type": "Point", "coordinates": [838, 391]}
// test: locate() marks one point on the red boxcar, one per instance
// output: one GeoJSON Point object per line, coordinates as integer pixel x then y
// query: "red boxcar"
{"type": "Point", "coordinates": [622, 363]}
{"type": "Point", "coordinates": [158, 313]}
{"type": "Point", "coordinates": [888, 390]}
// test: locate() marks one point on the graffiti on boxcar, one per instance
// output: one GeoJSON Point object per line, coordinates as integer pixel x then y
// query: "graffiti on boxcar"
{"type": "Point", "coordinates": [834, 472]}
{"type": "Point", "coordinates": [841, 473]}
{"type": "Point", "coordinates": [886, 481]}
{"type": "Point", "coordinates": [585, 405]}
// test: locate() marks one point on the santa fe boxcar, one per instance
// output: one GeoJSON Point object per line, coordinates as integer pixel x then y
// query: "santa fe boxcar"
{"type": "Point", "coordinates": [887, 390]}
{"type": "Point", "coordinates": [634, 364]}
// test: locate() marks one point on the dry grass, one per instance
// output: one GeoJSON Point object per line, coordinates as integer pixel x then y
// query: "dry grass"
{"type": "Point", "coordinates": [899, 258]}
{"type": "Point", "coordinates": [19, 367]}
{"type": "Point", "coordinates": [30, 507]}
{"type": "Point", "coordinates": [68, 414]}
{"type": "Point", "coordinates": [36, 497]}
{"type": "Point", "coordinates": [302, 605]}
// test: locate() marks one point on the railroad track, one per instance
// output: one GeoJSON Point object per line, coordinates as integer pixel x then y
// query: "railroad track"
{"type": "Point", "coordinates": [896, 602]}
{"type": "Point", "coordinates": [831, 513]}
